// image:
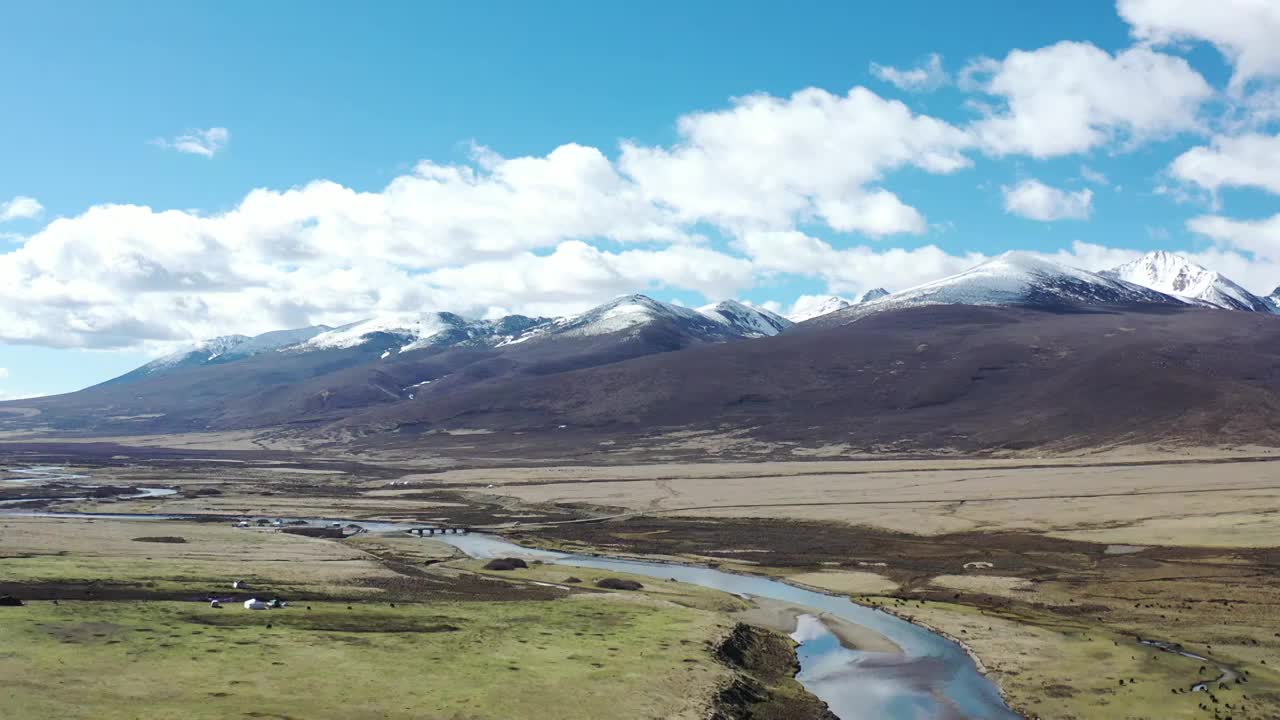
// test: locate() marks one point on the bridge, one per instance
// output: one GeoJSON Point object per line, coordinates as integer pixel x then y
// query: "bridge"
{"type": "Point", "coordinates": [428, 531]}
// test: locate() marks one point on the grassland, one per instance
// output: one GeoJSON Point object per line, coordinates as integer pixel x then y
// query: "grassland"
{"type": "Point", "coordinates": [116, 626]}
{"type": "Point", "coordinates": [575, 658]}
{"type": "Point", "coordinates": [1048, 568]}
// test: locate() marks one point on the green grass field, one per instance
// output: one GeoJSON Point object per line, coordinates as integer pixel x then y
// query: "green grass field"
{"type": "Point", "coordinates": [582, 657]}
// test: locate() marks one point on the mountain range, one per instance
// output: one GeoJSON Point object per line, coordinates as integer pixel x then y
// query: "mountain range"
{"type": "Point", "coordinates": [1016, 352]}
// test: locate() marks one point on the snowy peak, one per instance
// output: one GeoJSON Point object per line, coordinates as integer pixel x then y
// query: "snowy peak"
{"type": "Point", "coordinates": [1176, 275]}
{"type": "Point", "coordinates": [1019, 279]}
{"type": "Point", "coordinates": [745, 320]}
{"type": "Point", "coordinates": [401, 329]}
{"type": "Point", "coordinates": [808, 307]}
{"type": "Point", "coordinates": [224, 349]}
{"type": "Point", "coordinates": [405, 332]}
{"type": "Point", "coordinates": [872, 294]}
{"type": "Point", "coordinates": [202, 352]}
{"type": "Point", "coordinates": [278, 339]}
{"type": "Point", "coordinates": [632, 313]}
{"type": "Point", "coordinates": [1273, 300]}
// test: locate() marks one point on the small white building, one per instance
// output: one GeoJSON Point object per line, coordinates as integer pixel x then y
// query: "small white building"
{"type": "Point", "coordinates": [255, 604]}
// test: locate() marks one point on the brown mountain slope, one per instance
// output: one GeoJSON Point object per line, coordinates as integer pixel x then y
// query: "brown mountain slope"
{"type": "Point", "coordinates": [957, 377]}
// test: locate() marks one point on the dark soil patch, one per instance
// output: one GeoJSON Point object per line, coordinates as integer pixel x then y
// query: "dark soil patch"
{"type": "Point", "coordinates": [356, 622]}
{"type": "Point", "coordinates": [619, 584]}
{"type": "Point", "coordinates": [171, 539]}
{"type": "Point", "coordinates": [431, 586]}
{"type": "Point", "coordinates": [1059, 691]}
{"type": "Point", "coordinates": [811, 544]}
{"type": "Point", "coordinates": [10, 601]}
{"type": "Point", "coordinates": [506, 564]}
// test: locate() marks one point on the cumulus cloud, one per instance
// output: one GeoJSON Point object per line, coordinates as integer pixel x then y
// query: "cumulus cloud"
{"type": "Point", "coordinates": [1260, 237]}
{"type": "Point", "coordinates": [208, 142]}
{"type": "Point", "coordinates": [770, 162]}
{"type": "Point", "coordinates": [577, 275]}
{"type": "Point", "coordinates": [851, 270]}
{"type": "Point", "coordinates": [1073, 96]}
{"type": "Point", "coordinates": [928, 75]}
{"type": "Point", "coordinates": [1249, 160]}
{"type": "Point", "coordinates": [1245, 31]}
{"type": "Point", "coordinates": [1034, 200]}
{"type": "Point", "coordinates": [21, 207]}
{"type": "Point", "coordinates": [120, 275]}
{"type": "Point", "coordinates": [556, 233]}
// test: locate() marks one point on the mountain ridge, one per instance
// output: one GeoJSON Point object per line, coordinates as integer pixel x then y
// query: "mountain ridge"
{"type": "Point", "coordinates": [1176, 275]}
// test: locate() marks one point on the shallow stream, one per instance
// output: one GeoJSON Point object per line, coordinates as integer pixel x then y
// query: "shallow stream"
{"type": "Point", "coordinates": [933, 678]}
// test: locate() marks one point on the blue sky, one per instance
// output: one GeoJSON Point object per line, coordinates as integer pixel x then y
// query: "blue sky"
{"type": "Point", "coordinates": [792, 195]}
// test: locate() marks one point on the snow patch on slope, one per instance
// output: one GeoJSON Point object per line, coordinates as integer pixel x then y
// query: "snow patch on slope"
{"type": "Point", "coordinates": [808, 307]}
{"type": "Point", "coordinates": [1016, 278]}
{"type": "Point", "coordinates": [1178, 276]}
{"type": "Point", "coordinates": [627, 313]}
{"type": "Point", "coordinates": [409, 331]}
{"type": "Point", "coordinates": [199, 353]}
{"type": "Point", "coordinates": [744, 319]}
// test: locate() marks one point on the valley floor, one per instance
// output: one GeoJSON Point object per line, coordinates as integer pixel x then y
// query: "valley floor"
{"type": "Point", "coordinates": [1049, 570]}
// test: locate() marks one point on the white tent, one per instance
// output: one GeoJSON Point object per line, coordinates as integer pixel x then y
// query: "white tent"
{"type": "Point", "coordinates": [255, 604]}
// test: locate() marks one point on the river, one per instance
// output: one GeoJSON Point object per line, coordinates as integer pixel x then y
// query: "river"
{"type": "Point", "coordinates": [932, 679]}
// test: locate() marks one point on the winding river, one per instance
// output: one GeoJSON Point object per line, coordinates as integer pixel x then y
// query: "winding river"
{"type": "Point", "coordinates": [933, 678]}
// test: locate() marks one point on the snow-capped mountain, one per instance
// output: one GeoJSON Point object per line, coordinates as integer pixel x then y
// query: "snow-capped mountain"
{"type": "Point", "coordinates": [201, 353]}
{"type": "Point", "coordinates": [404, 332]}
{"type": "Point", "coordinates": [276, 339]}
{"type": "Point", "coordinates": [808, 307]}
{"type": "Point", "coordinates": [1175, 275]}
{"type": "Point", "coordinates": [1015, 279]}
{"type": "Point", "coordinates": [872, 294]}
{"type": "Point", "coordinates": [745, 320]}
{"type": "Point", "coordinates": [225, 349]}
{"type": "Point", "coordinates": [1273, 300]}
{"type": "Point", "coordinates": [633, 312]}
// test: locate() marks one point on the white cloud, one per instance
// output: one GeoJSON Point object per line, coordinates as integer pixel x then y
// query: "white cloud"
{"type": "Point", "coordinates": [21, 207]}
{"type": "Point", "coordinates": [1034, 200]}
{"type": "Point", "coordinates": [928, 75]}
{"type": "Point", "coordinates": [1260, 238]}
{"type": "Point", "coordinates": [851, 270]}
{"type": "Point", "coordinates": [1243, 30]}
{"type": "Point", "coordinates": [1093, 176]}
{"type": "Point", "coordinates": [768, 162]}
{"type": "Point", "coordinates": [1250, 160]}
{"type": "Point", "coordinates": [1072, 96]}
{"type": "Point", "coordinates": [123, 275]}
{"type": "Point", "coordinates": [207, 142]}
{"type": "Point", "coordinates": [576, 276]}
{"type": "Point", "coordinates": [4, 373]}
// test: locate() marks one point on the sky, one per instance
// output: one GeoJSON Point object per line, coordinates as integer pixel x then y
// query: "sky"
{"type": "Point", "coordinates": [171, 172]}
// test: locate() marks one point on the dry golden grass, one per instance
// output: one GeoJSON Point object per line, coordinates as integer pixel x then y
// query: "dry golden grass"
{"type": "Point", "coordinates": [846, 582]}
{"type": "Point", "coordinates": [1223, 505]}
{"type": "Point", "coordinates": [68, 550]}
